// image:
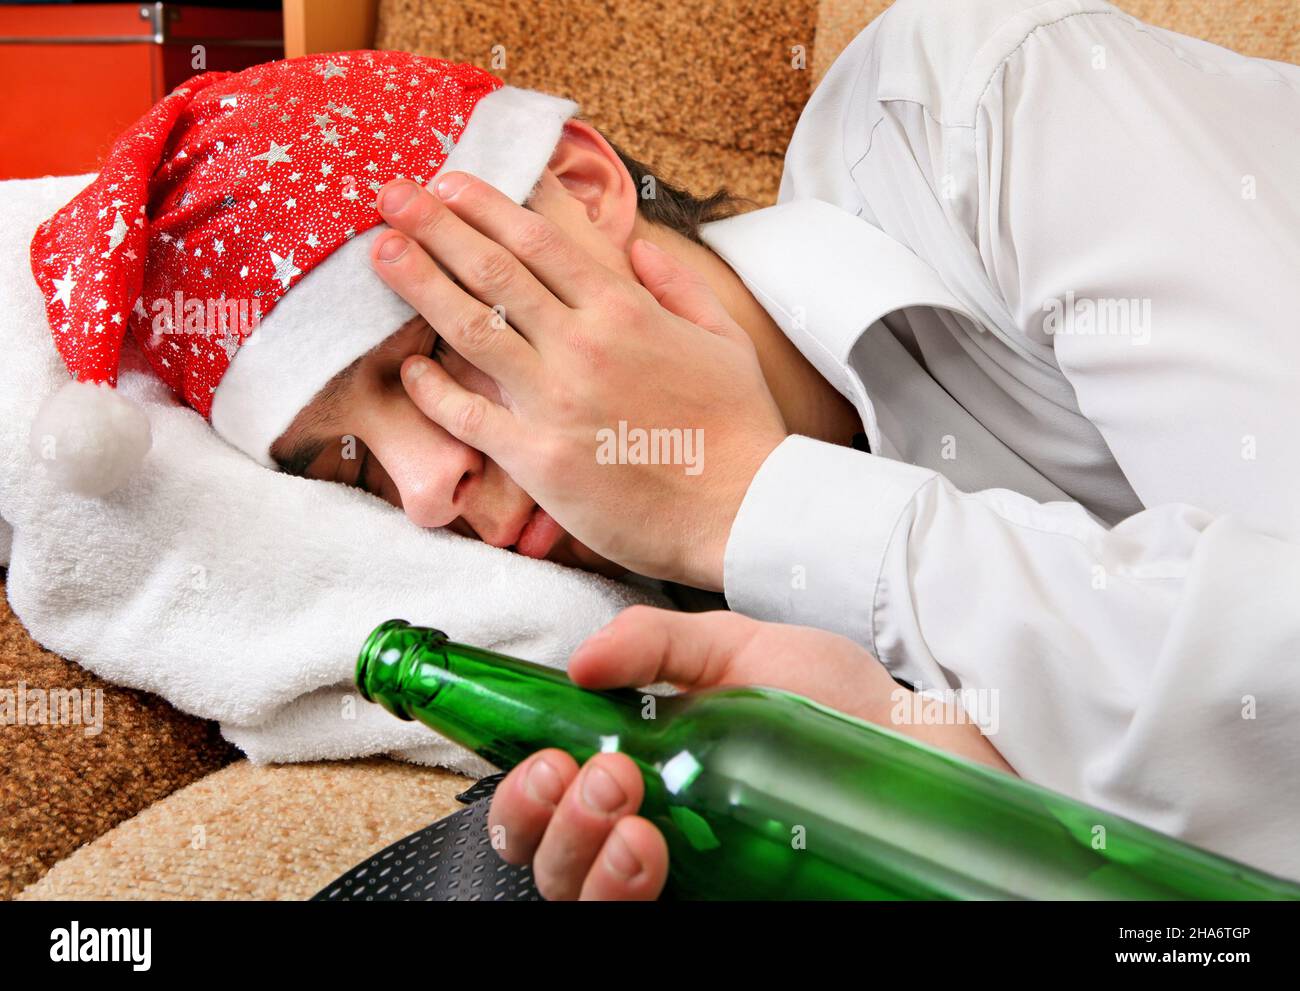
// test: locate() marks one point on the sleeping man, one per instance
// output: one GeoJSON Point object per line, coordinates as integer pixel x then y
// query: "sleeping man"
{"type": "Point", "coordinates": [999, 396]}
{"type": "Point", "coordinates": [1081, 491]}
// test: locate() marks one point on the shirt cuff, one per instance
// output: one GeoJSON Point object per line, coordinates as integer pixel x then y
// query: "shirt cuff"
{"type": "Point", "coordinates": [809, 541]}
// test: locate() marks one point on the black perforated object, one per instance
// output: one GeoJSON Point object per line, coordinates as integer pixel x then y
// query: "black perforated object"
{"type": "Point", "coordinates": [449, 861]}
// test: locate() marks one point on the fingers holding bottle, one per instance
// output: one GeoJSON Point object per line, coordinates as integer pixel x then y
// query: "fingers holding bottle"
{"type": "Point", "coordinates": [578, 828]}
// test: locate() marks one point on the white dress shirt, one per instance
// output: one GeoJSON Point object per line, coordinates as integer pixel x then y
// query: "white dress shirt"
{"type": "Point", "coordinates": [1052, 255]}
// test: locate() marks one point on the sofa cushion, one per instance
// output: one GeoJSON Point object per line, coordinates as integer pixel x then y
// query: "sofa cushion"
{"type": "Point", "coordinates": [60, 786]}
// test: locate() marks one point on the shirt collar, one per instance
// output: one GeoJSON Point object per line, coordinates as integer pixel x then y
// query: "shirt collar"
{"type": "Point", "coordinates": [826, 276]}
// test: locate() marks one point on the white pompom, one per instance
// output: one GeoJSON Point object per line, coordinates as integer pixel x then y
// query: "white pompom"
{"type": "Point", "coordinates": [90, 438]}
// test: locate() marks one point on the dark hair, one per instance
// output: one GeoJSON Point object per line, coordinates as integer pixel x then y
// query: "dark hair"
{"type": "Point", "coordinates": [661, 202]}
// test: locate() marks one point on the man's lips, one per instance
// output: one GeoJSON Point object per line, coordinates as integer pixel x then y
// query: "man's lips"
{"type": "Point", "coordinates": [539, 535]}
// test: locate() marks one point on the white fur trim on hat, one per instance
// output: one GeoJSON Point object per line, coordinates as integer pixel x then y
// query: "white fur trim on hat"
{"type": "Point", "coordinates": [341, 309]}
{"type": "Point", "coordinates": [510, 137]}
{"type": "Point", "coordinates": [337, 312]}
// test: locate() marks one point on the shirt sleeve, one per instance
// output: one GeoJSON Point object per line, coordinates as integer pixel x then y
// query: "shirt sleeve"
{"type": "Point", "coordinates": [1126, 666]}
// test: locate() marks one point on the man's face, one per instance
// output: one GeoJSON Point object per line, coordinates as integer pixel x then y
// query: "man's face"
{"type": "Point", "coordinates": [363, 430]}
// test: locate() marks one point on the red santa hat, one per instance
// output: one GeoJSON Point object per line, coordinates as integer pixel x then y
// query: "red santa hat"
{"type": "Point", "coordinates": [228, 232]}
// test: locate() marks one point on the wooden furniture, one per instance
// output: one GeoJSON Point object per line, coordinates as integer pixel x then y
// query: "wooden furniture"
{"type": "Point", "coordinates": [312, 26]}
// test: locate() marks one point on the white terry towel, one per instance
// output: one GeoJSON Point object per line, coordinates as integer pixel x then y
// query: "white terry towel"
{"type": "Point", "coordinates": [238, 593]}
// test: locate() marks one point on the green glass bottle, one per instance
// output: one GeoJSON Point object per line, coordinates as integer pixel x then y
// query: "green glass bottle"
{"type": "Point", "coordinates": [764, 794]}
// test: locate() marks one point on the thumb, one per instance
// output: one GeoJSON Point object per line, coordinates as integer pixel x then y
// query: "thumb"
{"type": "Point", "coordinates": [680, 289]}
{"type": "Point", "coordinates": [643, 645]}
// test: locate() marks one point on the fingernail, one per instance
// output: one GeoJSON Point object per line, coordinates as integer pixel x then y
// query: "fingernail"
{"type": "Point", "coordinates": [451, 184]}
{"type": "Point", "coordinates": [619, 857]}
{"type": "Point", "coordinates": [396, 196]}
{"type": "Point", "coordinates": [393, 248]}
{"type": "Point", "coordinates": [652, 247]}
{"type": "Point", "coordinates": [414, 368]}
{"type": "Point", "coordinates": [544, 783]}
{"type": "Point", "coordinates": [600, 791]}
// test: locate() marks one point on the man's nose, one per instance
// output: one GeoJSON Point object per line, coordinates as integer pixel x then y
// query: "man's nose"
{"type": "Point", "coordinates": [431, 470]}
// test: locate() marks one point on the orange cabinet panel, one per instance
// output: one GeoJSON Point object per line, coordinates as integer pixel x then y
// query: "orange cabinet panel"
{"type": "Point", "coordinates": [74, 76]}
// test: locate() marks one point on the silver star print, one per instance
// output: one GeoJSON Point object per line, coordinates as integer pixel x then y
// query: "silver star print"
{"type": "Point", "coordinates": [284, 269]}
{"type": "Point", "coordinates": [118, 232]}
{"type": "Point", "coordinates": [63, 288]}
{"type": "Point", "coordinates": [276, 153]}
{"type": "Point", "coordinates": [445, 140]}
{"type": "Point", "coordinates": [329, 70]}
{"type": "Point", "coordinates": [229, 342]}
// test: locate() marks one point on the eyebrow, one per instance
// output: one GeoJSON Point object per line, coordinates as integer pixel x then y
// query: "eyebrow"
{"type": "Point", "coordinates": [323, 408]}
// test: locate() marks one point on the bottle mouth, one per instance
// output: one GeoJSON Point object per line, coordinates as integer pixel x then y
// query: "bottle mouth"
{"type": "Point", "coordinates": [378, 675]}
{"type": "Point", "coordinates": [368, 660]}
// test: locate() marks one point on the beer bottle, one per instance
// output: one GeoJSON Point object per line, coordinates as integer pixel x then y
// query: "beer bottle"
{"type": "Point", "coordinates": [762, 794]}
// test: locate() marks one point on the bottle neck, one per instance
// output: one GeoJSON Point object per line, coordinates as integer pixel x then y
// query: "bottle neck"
{"type": "Point", "coordinates": [500, 707]}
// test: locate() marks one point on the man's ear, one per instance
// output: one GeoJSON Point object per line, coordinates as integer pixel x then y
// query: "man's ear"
{"type": "Point", "coordinates": [596, 178]}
